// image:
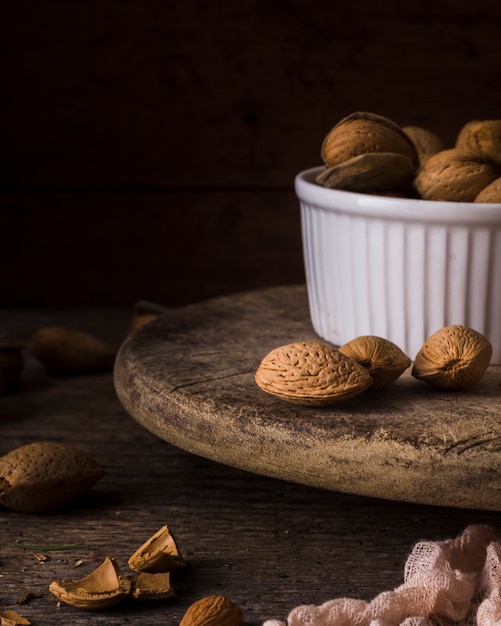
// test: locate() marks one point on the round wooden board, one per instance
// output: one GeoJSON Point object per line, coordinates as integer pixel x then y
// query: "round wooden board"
{"type": "Point", "coordinates": [188, 377]}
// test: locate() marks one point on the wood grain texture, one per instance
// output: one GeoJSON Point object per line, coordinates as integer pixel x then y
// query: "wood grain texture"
{"type": "Point", "coordinates": [189, 378]}
{"type": "Point", "coordinates": [268, 544]}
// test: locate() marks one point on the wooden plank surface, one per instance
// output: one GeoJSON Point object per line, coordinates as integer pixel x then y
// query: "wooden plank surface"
{"type": "Point", "coordinates": [267, 543]}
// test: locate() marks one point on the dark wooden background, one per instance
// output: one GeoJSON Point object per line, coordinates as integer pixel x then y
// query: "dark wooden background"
{"type": "Point", "coordinates": [148, 148]}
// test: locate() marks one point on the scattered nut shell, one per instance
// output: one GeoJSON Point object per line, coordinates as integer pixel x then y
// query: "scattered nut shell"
{"type": "Point", "coordinates": [41, 476]}
{"type": "Point", "coordinates": [311, 374]}
{"type": "Point", "coordinates": [455, 357]}
{"type": "Point", "coordinates": [102, 588]}
{"type": "Point", "coordinates": [491, 193]}
{"type": "Point", "coordinates": [148, 586]}
{"type": "Point", "coordinates": [384, 360]}
{"type": "Point", "coordinates": [454, 176]}
{"type": "Point", "coordinates": [70, 351]}
{"type": "Point", "coordinates": [11, 618]}
{"type": "Point", "coordinates": [144, 312]}
{"type": "Point", "coordinates": [159, 553]}
{"type": "Point", "coordinates": [213, 611]}
{"type": "Point", "coordinates": [427, 142]}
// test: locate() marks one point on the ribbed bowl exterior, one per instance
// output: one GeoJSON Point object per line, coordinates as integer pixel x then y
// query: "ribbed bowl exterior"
{"type": "Point", "coordinates": [397, 269]}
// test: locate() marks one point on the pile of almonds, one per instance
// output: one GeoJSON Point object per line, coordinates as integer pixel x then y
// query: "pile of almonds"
{"type": "Point", "coordinates": [368, 153]}
{"type": "Point", "coordinates": [318, 374]}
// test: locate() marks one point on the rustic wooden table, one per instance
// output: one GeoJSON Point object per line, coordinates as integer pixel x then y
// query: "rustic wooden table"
{"type": "Point", "coordinates": [269, 545]}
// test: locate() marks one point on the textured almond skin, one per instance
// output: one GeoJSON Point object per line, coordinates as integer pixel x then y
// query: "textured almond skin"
{"type": "Point", "coordinates": [454, 176]}
{"type": "Point", "coordinates": [362, 133]}
{"type": "Point", "coordinates": [483, 138]}
{"type": "Point", "coordinates": [384, 360]}
{"type": "Point", "coordinates": [370, 173]}
{"type": "Point", "coordinates": [213, 611]}
{"type": "Point", "coordinates": [427, 142]}
{"type": "Point", "coordinates": [71, 351]}
{"type": "Point", "coordinates": [455, 357]}
{"type": "Point", "coordinates": [44, 475]}
{"type": "Point", "coordinates": [491, 193]}
{"type": "Point", "coordinates": [311, 374]}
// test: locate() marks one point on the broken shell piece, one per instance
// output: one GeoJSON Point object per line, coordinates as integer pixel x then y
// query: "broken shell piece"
{"type": "Point", "coordinates": [158, 554]}
{"type": "Point", "coordinates": [104, 587]}
{"type": "Point", "coordinates": [11, 618]}
{"type": "Point", "coordinates": [150, 586]}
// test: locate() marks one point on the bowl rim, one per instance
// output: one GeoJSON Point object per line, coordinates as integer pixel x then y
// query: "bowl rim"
{"type": "Point", "coordinates": [403, 209]}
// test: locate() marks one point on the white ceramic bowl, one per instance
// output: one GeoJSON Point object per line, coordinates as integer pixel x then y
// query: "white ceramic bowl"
{"type": "Point", "coordinates": [399, 268]}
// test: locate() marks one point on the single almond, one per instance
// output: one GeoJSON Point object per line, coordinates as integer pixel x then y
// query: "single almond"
{"type": "Point", "coordinates": [384, 360]}
{"type": "Point", "coordinates": [370, 173]}
{"type": "Point", "coordinates": [311, 374]}
{"type": "Point", "coordinates": [454, 176]}
{"type": "Point", "coordinates": [491, 193]}
{"type": "Point", "coordinates": [482, 138]}
{"type": "Point", "coordinates": [426, 141]}
{"type": "Point", "coordinates": [44, 475]}
{"type": "Point", "coordinates": [213, 611]}
{"type": "Point", "coordinates": [70, 351]}
{"type": "Point", "coordinates": [454, 357]}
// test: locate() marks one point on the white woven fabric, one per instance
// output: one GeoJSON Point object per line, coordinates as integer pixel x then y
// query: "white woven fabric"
{"type": "Point", "coordinates": [454, 581]}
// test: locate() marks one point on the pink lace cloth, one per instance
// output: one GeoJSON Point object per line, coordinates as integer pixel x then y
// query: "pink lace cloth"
{"type": "Point", "coordinates": [456, 582]}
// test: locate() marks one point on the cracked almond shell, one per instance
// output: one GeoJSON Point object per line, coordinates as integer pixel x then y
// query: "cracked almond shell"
{"type": "Point", "coordinates": [159, 553]}
{"type": "Point", "coordinates": [149, 586]}
{"type": "Point", "coordinates": [311, 374]}
{"type": "Point", "coordinates": [44, 475]}
{"type": "Point", "coordinates": [103, 587]}
{"type": "Point", "coordinates": [383, 359]}
{"type": "Point", "coordinates": [455, 357]}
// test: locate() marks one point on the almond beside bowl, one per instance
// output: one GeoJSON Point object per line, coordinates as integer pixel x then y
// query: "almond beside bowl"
{"type": "Point", "coordinates": [399, 268]}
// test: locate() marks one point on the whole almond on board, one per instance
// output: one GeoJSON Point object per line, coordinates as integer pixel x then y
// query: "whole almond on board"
{"type": "Point", "coordinates": [454, 176]}
{"type": "Point", "coordinates": [491, 193]}
{"type": "Point", "coordinates": [213, 611]}
{"type": "Point", "coordinates": [370, 173]}
{"type": "Point", "coordinates": [427, 142]}
{"type": "Point", "coordinates": [362, 133]}
{"type": "Point", "coordinates": [455, 357]}
{"type": "Point", "coordinates": [159, 553]}
{"type": "Point", "coordinates": [482, 138]}
{"type": "Point", "coordinates": [70, 351]}
{"type": "Point", "coordinates": [44, 475]}
{"type": "Point", "coordinates": [384, 360]}
{"type": "Point", "coordinates": [103, 587]}
{"type": "Point", "coordinates": [311, 374]}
